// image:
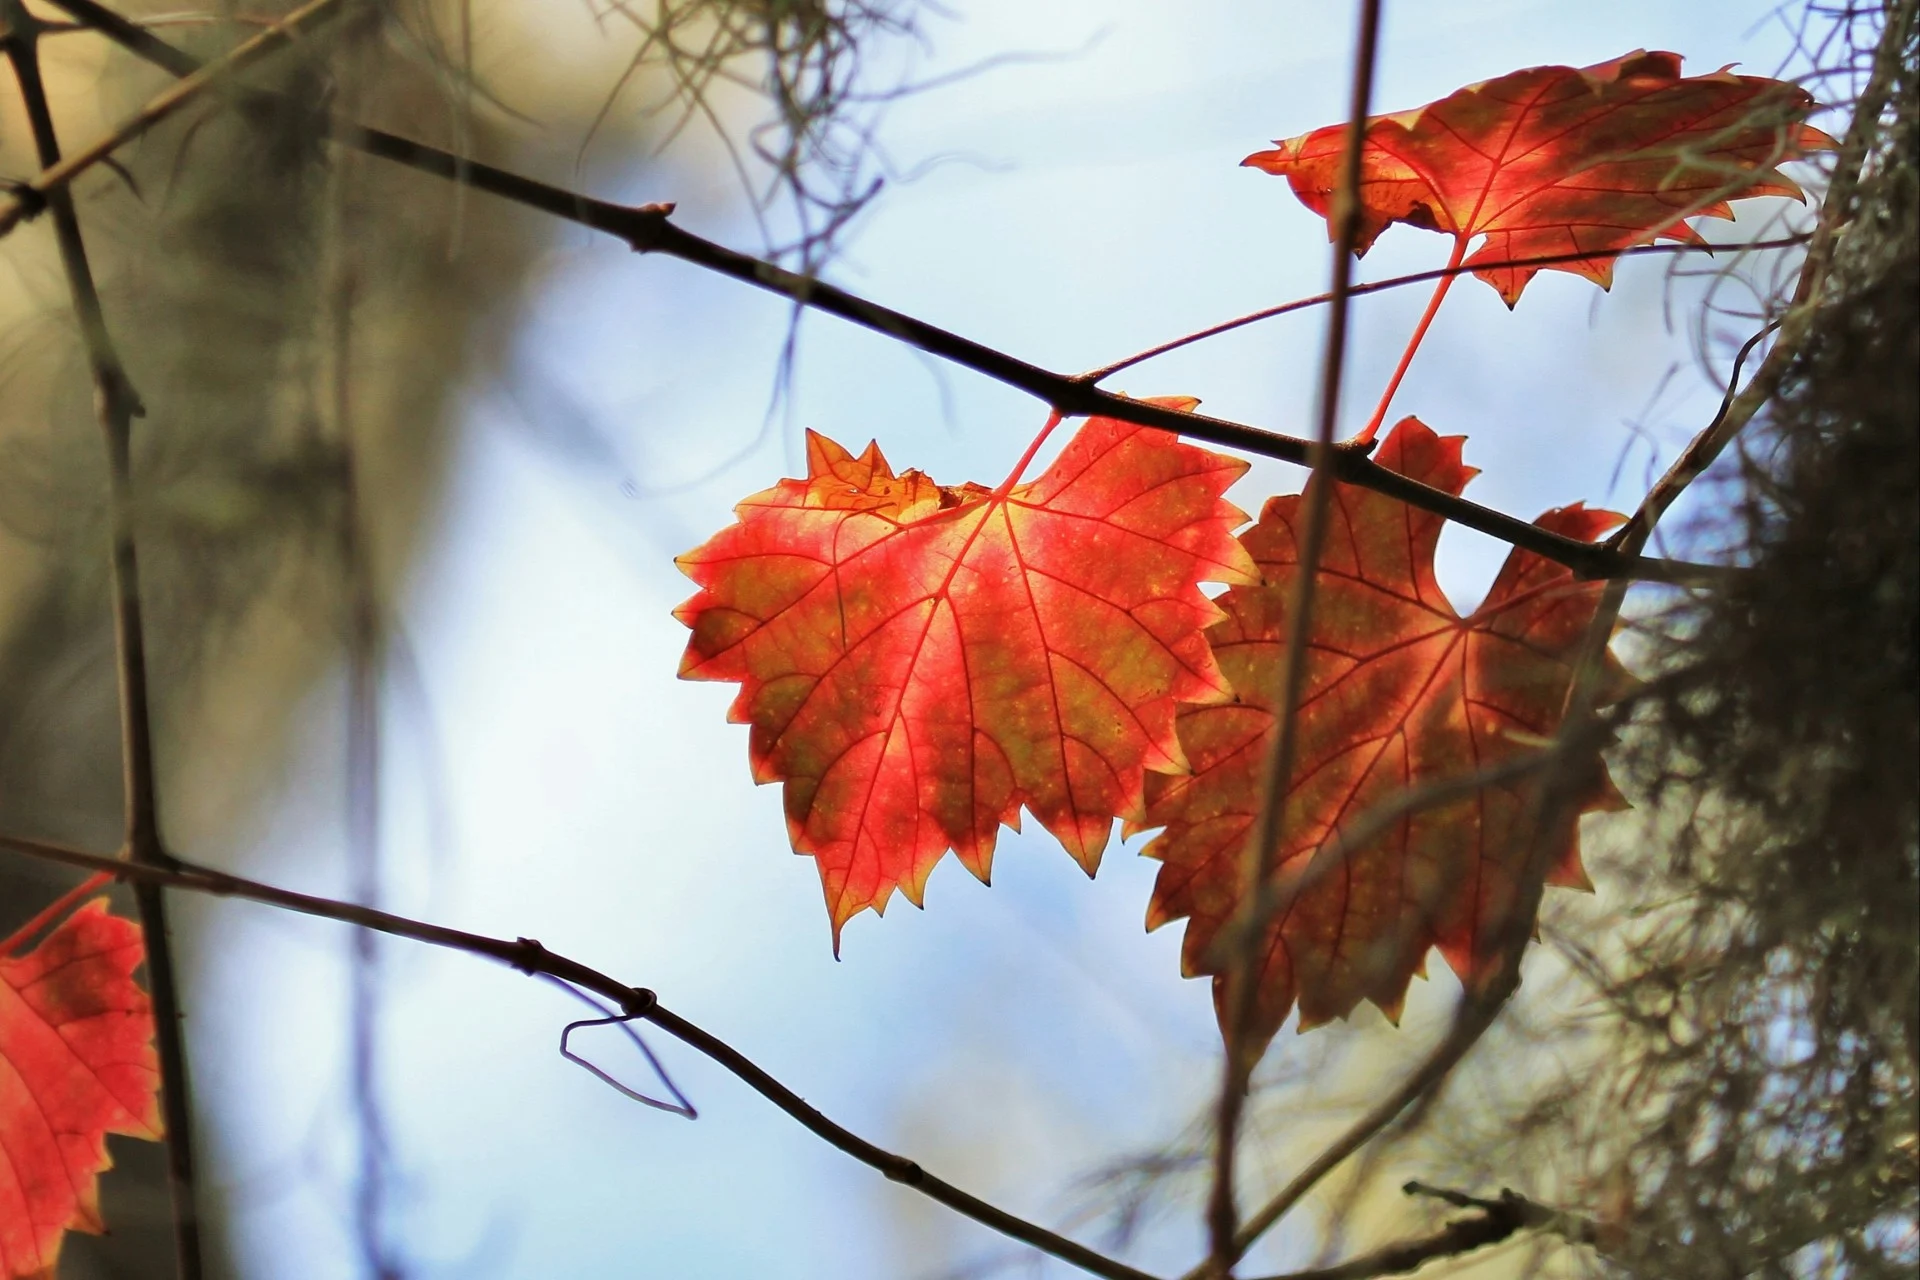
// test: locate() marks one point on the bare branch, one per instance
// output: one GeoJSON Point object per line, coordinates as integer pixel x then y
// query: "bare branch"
{"type": "Point", "coordinates": [116, 404]}
{"type": "Point", "coordinates": [1474, 1016]}
{"type": "Point", "coordinates": [1493, 1222]}
{"type": "Point", "coordinates": [1563, 768]}
{"type": "Point", "coordinates": [529, 957]}
{"type": "Point", "coordinates": [646, 229]}
{"type": "Point", "coordinates": [1558, 797]}
{"type": "Point", "coordinates": [1242, 974]}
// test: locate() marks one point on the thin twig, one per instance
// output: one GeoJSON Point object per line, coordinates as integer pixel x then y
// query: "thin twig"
{"type": "Point", "coordinates": [1477, 1011]}
{"type": "Point", "coordinates": [1736, 406]}
{"type": "Point", "coordinates": [116, 404]}
{"type": "Point", "coordinates": [1243, 966]}
{"type": "Point", "coordinates": [365, 652]}
{"type": "Point", "coordinates": [1797, 324]}
{"type": "Point", "coordinates": [1106, 371]}
{"type": "Point", "coordinates": [529, 957]}
{"type": "Point", "coordinates": [29, 197]}
{"type": "Point", "coordinates": [1555, 806]}
{"type": "Point", "coordinates": [680, 1106]}
{"type": "Point", "coordinates": [1795, 327]}
{"type": "Point", "coordinates": [1558, 802]}
{"type": "Point", "coordinates": [1559, 796]}
{"type": "Point", "coordinates": [1479, 1006]}
{"type": "Point", "coordinates": [1275, 898]}
{"type": "Point", "coordinates": [1474, 1016]}
{"type": "Point", "coordinates": [1379, 415]}
{"type": "Point", "coordinates": [1493, 1222]}
{"type": "Point", "coordinates": [646, 229]}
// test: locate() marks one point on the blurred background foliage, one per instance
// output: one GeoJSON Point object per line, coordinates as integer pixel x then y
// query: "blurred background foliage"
{"type": "Point", "coordinates": [304, 325]}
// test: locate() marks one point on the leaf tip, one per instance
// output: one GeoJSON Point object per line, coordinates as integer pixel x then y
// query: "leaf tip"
{"type": "Point", "coordinates": [1274, 160]}
{"type": "Point", "coordinates": [1084, 839]}
{"type": "Point", "coordinates": [824, 454]}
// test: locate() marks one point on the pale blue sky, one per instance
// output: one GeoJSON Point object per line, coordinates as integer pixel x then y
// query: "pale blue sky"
{"type": "Point", "coordinates": [1012, 1039]}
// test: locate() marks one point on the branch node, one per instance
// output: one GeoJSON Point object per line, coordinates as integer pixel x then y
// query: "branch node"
{"type": "Point", "coordinates": [639, 1001]}
{"type": "Point", "coordinates": [32, 201]}
{"type": "Point", "coordinates": [119, 401]}
{"type": "Point", "coordinates": [532, 958]}
{"type": "Point", "coordinates": [1458, 1199]}
{"type": "Point", "coordinates": [154, 855]}
{"type": "Point", "coordinates": [906, 1171]}
{"type": "Point", "coordinates": [640, 225]}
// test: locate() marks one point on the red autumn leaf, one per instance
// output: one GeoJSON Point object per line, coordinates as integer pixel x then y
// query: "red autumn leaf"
{"type": "Point", "coordinates": [1400, 691]}
{"type": "Point", "coordinates": [77, 1062]}
{"type": "Point", "coordinates": [917, 662]}
{"type": "Point", "coordinates": [1555, 160]}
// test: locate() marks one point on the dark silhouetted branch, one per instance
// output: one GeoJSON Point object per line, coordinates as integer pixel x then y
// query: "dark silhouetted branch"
{"type": "Point", "coordinates": [1493, 1222]}
{"type": "Point", "coordinates": [116, 405]}
{"type": "Point", "coordinates": [529, 957]}
{"type": "Point", "coordinates": [647, 229]}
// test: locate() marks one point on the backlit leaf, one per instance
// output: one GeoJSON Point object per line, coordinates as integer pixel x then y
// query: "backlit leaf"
{"type": "Point", "coordinates": [1554, 160]}
{"type": "Point", "coordinates": [918, 662]}
{"type": "Point", "coordinates": [77, 1062]}
{"type": "Point", "coordinates": [1400, 691]}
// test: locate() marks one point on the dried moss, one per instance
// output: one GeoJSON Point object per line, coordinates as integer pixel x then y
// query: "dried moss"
{"type": "Point", "coordinates": [1773, 1018]}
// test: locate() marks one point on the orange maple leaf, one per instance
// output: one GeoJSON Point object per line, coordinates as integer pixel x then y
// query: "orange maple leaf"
{"type": "Point", "coordinates": [1555, 160]}
{"type": "Point", "coordinates": [77, 1062]}
{"type": "Point", "coordinates": [1400, 691]}
{"type": "Point", "coordinates": [917, 662]}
